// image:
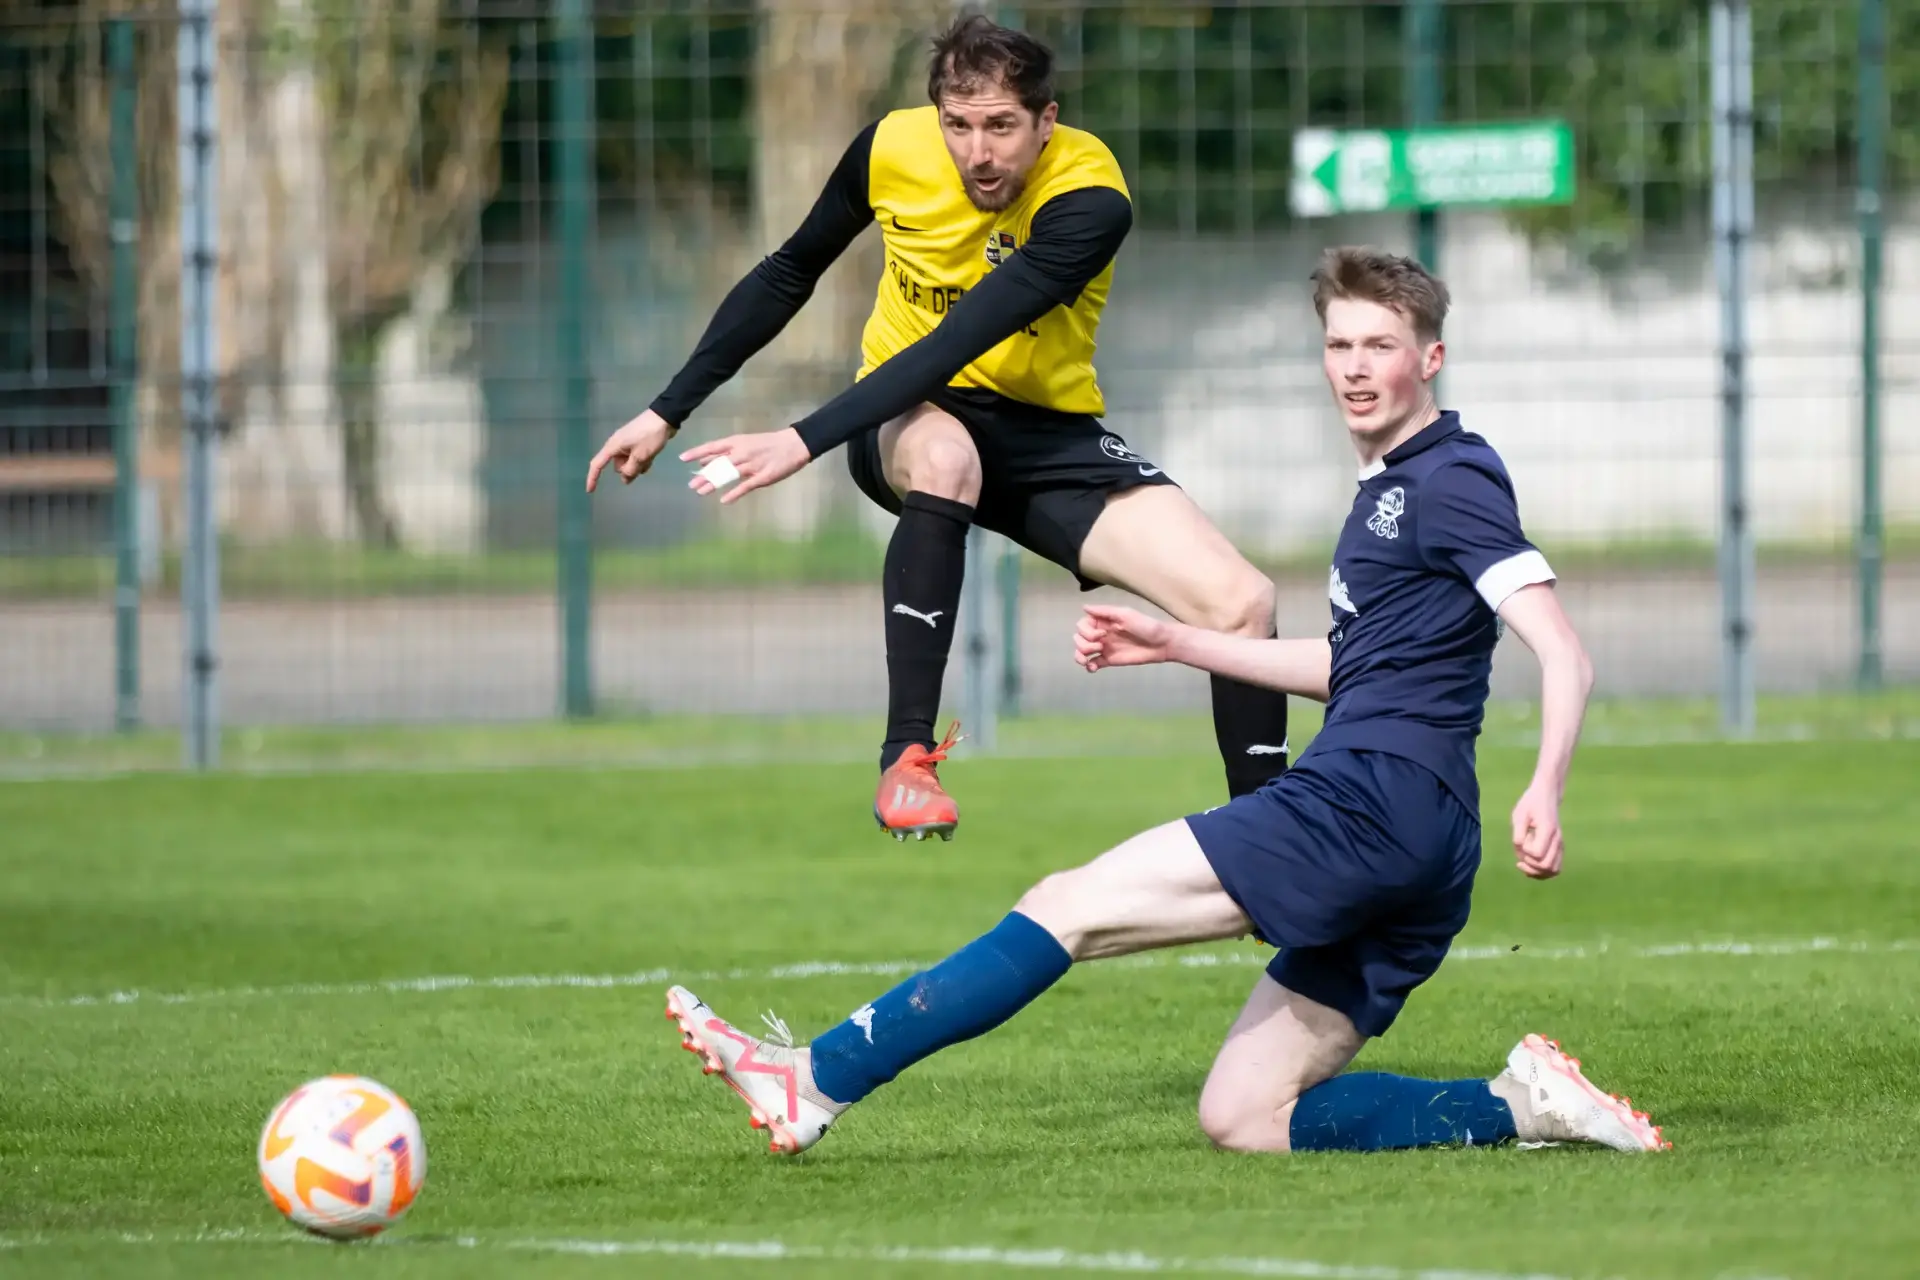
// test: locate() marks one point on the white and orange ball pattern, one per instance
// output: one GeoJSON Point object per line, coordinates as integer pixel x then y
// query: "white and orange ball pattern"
{"type": "Point", "coordinates": [342, 1156]}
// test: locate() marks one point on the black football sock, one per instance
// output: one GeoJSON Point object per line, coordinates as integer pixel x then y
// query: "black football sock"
{"type": "Point", "coordinates": [920, 589]}
{"type": "Point", "coordinates": [1250, 724]}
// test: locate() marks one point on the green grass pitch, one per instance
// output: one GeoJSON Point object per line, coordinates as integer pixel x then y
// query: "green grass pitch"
{"type": "Point", "coordinates": [259, 931]}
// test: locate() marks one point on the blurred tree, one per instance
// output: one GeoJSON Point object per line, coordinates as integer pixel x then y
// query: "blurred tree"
{"type": "Point", "coordinates": [1633, 78]}
{"type": "Point", "coordinates": [822, 70]}
{"type": "Point", "coordinates": [1200, 101]}
{"type": "Point", "coordinates": [414, 98]}
{"type": "Point", "coordinates": [358, 144]}
{"type": "Point", "coordinates": [730, 122]}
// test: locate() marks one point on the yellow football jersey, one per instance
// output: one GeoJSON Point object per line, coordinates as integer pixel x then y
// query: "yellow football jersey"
{"type": "Point", "coordinates": [938, 245]}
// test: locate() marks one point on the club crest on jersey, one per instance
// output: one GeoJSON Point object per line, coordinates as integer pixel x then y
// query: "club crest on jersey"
{"type": "Point", "coordinates": [1000, 246]}
{"type": "Point", "coordinates": [1387, 510]}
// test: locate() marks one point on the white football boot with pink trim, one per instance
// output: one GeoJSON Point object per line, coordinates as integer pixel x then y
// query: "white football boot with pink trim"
{"type": "Point", "coordinates": [1565, 1106]}
{"type": "Point", "coordinates": [775, 1079]}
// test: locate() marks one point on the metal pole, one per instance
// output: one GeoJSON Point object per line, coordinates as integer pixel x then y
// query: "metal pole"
{"type": "Point", "coordinates": [573, 170]}
{"type": "Point", "coordinates": [200, 570]}
{"type": "Point", "coordinates": [1422, 31]}
{"type": "Point", "coordinates": [1008, 568]}
{"type": "Point", "coordinates": [976, 599]}
{"type": "Point", "coordinates": [123, 230]}
{"type": "Point", "coordinates": [1872, 125]}
{"type": "Point", "coordinates": [1732, 51]}
{"type": "Point", "coordinates": [1010, 630]}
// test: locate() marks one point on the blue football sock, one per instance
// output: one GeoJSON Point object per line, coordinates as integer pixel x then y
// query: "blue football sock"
{"type": "Point", "coordinates": [1374, 1111]}
{"type": "Point", "coordinates": [969, 993]}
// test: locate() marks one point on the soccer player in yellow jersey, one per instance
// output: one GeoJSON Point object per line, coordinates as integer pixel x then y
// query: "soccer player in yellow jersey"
{"type": "Point", "coordinates": [976, 401]}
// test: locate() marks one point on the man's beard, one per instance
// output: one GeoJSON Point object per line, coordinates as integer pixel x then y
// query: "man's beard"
{"type": "Point", "coordinates": [1011, 188]}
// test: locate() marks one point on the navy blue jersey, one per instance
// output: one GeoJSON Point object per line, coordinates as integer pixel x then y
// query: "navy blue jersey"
{"type": "Point", "coordinates": [1431, 549]}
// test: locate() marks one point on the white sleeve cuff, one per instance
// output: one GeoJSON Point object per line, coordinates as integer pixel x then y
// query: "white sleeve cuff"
{"type": "Point", "coordinates": [1511, 574]}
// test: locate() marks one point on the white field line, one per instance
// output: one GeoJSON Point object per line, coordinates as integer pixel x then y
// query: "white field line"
{"type": "Point", "coordinates": [976, 1256]}
{"type": "Point", "coordinates": [899, 968]}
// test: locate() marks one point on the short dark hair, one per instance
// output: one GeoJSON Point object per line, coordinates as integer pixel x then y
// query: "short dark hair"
{"type": "Point", "coordinates": [977, 53]}
{"type": "Point", "coordinates": [1371, 275]}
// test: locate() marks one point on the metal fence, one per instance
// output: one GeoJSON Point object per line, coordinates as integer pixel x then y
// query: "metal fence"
{"type": "Point", "coordinates": [450, 243]}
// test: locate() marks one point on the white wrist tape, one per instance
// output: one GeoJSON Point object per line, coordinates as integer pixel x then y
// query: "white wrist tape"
{"type": "Point", "coordinates": [719, 472]}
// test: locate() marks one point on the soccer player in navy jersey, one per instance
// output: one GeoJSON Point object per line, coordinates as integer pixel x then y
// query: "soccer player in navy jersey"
{"type": "Point", "coordinates": [1357, 863]}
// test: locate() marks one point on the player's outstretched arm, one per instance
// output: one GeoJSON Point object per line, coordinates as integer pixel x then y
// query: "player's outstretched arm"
{"type": "Point", "coordinates": [1566, 679]}
{"type": "Point", "coordinates": [752, 314]}
{"type": "Point", "coordinates": [1111, 636]}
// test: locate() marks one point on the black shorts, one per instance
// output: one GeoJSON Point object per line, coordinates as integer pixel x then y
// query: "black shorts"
{"type": "Point", "coordinates": [1044, 475]}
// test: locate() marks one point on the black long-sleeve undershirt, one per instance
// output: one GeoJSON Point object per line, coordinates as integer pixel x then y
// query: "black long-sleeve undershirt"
{"type": "Point", "coordinates": [1073, 238]}
{"type": "Point", "coordinates": [755, 311]}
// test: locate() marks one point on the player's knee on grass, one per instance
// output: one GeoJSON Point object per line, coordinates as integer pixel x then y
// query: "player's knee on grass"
{"type": "Point", "coordinates": [930, 452]}
{"type": "Point", "coordinates": [1258, 1119]}
{"type": "Point", "coordinates": [1281, 1045]}
{"type": "Point", "coordinates": [1242, 1124]}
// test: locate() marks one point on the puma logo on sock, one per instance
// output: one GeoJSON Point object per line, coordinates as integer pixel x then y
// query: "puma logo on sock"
{"type": "Point", "coordinates": [927, 618]}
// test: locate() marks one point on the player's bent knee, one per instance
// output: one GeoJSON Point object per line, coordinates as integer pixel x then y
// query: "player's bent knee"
{"type": "Point", "coordinates": [946, 469]}
{"type": "Point", "coordinates": [934, 455]}
{"type": "Point", "coordinates": [1058, 906]}
{"type": "Point", "coordinates": [1154, 890]}
{"type": "Point", "coordinates": [1090, 915]}
{"type": "Point", "coordinates": [1220, 1121]}
{"type": "Point", "coordinates": [1250, 1112]}
{"type": "Point", "coordinates": [1236, 1123]}
{"type": "Point", "coordinates": [1245, 608]}
{"type": "Point", "coordinates": [1248, 610]}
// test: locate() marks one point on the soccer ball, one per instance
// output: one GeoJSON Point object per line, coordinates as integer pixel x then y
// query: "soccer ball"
{"type": "Point", "coordinates": [342, 1157]}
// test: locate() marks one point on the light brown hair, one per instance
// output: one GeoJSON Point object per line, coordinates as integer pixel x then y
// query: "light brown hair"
{"type": "Point", "coordinates": [1365, 274]}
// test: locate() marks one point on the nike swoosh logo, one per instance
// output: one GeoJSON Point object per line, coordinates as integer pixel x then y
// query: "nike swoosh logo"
{"type": "Point", "coordinates": [901, 226]}
{"type": "Point", "coordinates": [1149, 472]}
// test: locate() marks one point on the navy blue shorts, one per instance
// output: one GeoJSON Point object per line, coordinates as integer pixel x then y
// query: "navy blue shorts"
{"type": "Point", "coordinates": [1359, 866]}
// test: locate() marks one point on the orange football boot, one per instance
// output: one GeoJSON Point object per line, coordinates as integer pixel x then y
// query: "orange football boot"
{"type": "Point", "coordinates": [911, 800]}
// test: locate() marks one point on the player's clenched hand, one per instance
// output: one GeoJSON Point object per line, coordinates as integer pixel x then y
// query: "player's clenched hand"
{"type": "Point", "coordinates": [1110, 636]}
{"type": "Point", "coordinates": [1536, 833]}
{"type": "Point", "coordinates": [631, 449]}
{"type": "Point", "coordinates": [763, 458]}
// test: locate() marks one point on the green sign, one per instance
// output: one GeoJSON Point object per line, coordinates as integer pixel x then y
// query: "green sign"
{"type": "Point", "coordinates": [1367, 170]}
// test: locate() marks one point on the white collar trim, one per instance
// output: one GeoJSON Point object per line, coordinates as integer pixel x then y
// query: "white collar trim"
{"type": "Point", "coordinates": [1373, 468]}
